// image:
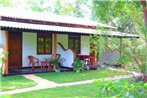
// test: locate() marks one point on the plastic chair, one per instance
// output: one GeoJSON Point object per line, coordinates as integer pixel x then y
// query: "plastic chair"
{"type": "Point", "coordinates": [32, 61]}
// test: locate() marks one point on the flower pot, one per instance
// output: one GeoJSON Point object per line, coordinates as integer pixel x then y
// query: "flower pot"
{"type": "Point", "coordinates": [87, 67]}
{"type": "Point", "coordinates": [57, 70]}
{"type": "Point", "coordinates": [78, 70]}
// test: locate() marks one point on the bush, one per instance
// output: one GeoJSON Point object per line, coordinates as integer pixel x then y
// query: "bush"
{"type": "Point", "coordinates": [122, 88]}
{"type": "Point", "coordinates": [78, 65]}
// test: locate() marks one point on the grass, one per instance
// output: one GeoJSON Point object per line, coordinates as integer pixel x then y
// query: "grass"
{"type": "Point", "coordinates": [136, 69]}
{"type": "Point", "coordinates": [15, 82]}
{"type": "Point", "coordinates": [78, 91]}
{"type": "Point", "coordinates": [63, 77]}
{"type": "Point", "coordinates": [131, 68]}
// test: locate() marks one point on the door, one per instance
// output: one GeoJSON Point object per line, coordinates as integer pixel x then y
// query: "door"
{"type": "Point", "coordinates": [15, 49]}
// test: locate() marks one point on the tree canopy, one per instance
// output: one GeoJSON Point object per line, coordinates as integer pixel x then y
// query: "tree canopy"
{"type": "Point", "coordinates": [128, 17]}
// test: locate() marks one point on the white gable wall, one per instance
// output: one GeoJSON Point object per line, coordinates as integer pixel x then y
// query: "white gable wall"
{"type": "Point", "coordinates": [2, 37]}
{"type": "Point", "coordinates": [68, 54]}
{"type": "Point", "coordinates": [85, 45]}
{"type": "Point", "coordinates": [63, 39]}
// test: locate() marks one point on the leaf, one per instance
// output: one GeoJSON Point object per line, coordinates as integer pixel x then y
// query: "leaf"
{"type": "Point", "coordinates": [103, 79]}
{"type": "Point", "coordinates": [5, 53]}
{"type": "Point", "coordinates": [103, 90]}
{"type": "Point", "coordinates": [1, 59]}
{"type": "Point", "coordinates": [131, 96]}
{"type": "Point", "coordinates": [145, 85]}
{"type": "Point", "coordinates": [117, 96]}
{"type": "Point", "coordinates": [127, 94]}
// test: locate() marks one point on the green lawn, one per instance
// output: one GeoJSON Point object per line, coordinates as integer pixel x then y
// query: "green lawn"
{"type": "Point", "coordinates": [132, 68]}
{"type": "Point", "coordinates": [62, 77]}
{"type": "Point", "coordinates": [15, 82]}
{"type": "Point", "coordinates": [78, 91]}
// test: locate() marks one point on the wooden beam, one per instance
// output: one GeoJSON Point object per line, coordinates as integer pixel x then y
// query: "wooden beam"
{"type": "Point", "coordinates": [55, 45]}
{"type": "Point", "coordinates": [6, 71]}
{"type": "Point", "coordinates": [144, 3]}
{"type": "Point", "coordinates": [120, 47]}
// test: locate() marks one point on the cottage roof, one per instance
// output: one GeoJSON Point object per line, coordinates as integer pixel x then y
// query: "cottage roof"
{"type": "Point", "coordinates": [18, 13]}
{"type": "Point", "coordinates": [46, 17]}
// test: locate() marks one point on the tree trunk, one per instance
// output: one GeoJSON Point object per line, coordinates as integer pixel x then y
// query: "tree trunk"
{"type": "Point", "coordinates": [143, 2]}
{"type": "Point", "coordinates": [144, 7]}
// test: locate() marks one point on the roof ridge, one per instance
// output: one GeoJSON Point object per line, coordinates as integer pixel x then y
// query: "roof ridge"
{"type": "Point", "coordinates": [27, 14]}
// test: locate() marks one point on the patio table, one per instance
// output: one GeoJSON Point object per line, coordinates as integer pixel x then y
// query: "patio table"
{"type": "Point", "coordinates": [46, 63]}
{"type": "Point", "coordinates": [85, 58]}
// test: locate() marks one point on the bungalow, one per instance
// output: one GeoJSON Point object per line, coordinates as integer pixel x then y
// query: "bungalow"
{"type": "Point", "coordinates": [26, 33]}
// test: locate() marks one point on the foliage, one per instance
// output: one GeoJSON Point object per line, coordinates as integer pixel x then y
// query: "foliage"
{"type": "Point", "coordinates": [56, 62]}
{"type": "Point", "coordinates": [4, 53]}
{"type": "Point", "coordinates": [128, 17]}
{"type": "Point", "coordinates": [40, 5]}
{"type": "Point", "coordinates": [5, 3]}
{"type": "Point", "coordinates": [78, 65]}
{"type": "Point", "coordinates": [70, 76]}
{"type": "Point", "coordinates": [117, 13]}
{"type": "Point", "coordinates": [65, 8]}
{"type": "Point", "coordinates": [62, 7]}
{"type": "Point", "coordinates": [1, 59]}
{"type": "Point", "coordinates": [121, 88]}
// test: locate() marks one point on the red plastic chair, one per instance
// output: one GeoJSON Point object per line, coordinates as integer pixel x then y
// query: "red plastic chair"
{"type": "Point", "coordinates": [32, 61]}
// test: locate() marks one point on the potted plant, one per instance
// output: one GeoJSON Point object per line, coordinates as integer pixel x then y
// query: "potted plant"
{"type": "Point", "coordinates": [78, 65]}
{"type": "Point", "coordinates": [56, 62]}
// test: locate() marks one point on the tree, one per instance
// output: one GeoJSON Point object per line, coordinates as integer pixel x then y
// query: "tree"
{"type": "Point", "coordinates": [5, 3]}
{"type": "Point", "coordinates": [144, 6]}
{"type": "Point", "coordinates": [74, 8]}
{"type": "Point", "coordinates": [128, 17]}
{"type": "Point", "coordinates": [64, 8]}
{"type": "Point", "coordinates": [41, 5]}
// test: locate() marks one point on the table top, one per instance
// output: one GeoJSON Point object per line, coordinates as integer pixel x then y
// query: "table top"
{"type": "Point", "coordinates": [83, 57]}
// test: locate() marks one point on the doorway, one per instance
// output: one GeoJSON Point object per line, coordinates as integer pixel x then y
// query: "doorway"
{"type": "Point", "coordinates": [15, 49]}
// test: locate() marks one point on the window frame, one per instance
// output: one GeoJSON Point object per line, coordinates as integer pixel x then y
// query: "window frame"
{"type": "Point", "coordinates": [79, 38]}
{"type": "Point", "coordinates": [44, 42]}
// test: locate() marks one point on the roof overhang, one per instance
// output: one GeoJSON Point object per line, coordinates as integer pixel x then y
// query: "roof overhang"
{"type": "Point", "coordinates": [28, 26]}
{"type": "Point", "coordinates": [48, 17]}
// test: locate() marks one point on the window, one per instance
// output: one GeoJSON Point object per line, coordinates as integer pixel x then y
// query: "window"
{"type": "Point", "coordinates": [74, 42]}
{"type": "Point", "coordinates": [44, 43]}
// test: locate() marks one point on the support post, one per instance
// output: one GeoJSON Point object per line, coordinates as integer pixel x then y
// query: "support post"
{"type": "Point", "coordinates": [120, 47]}
{"type": "Point", "coordinates": [55, 45]}
{"type": "Point", "coordinates": [6, 71]}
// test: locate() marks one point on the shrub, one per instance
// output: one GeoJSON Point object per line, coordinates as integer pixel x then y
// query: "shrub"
{"type": "Point", "coordinates": [122, 88]}
{"type": "Point", "coordinates": [78, 65]}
